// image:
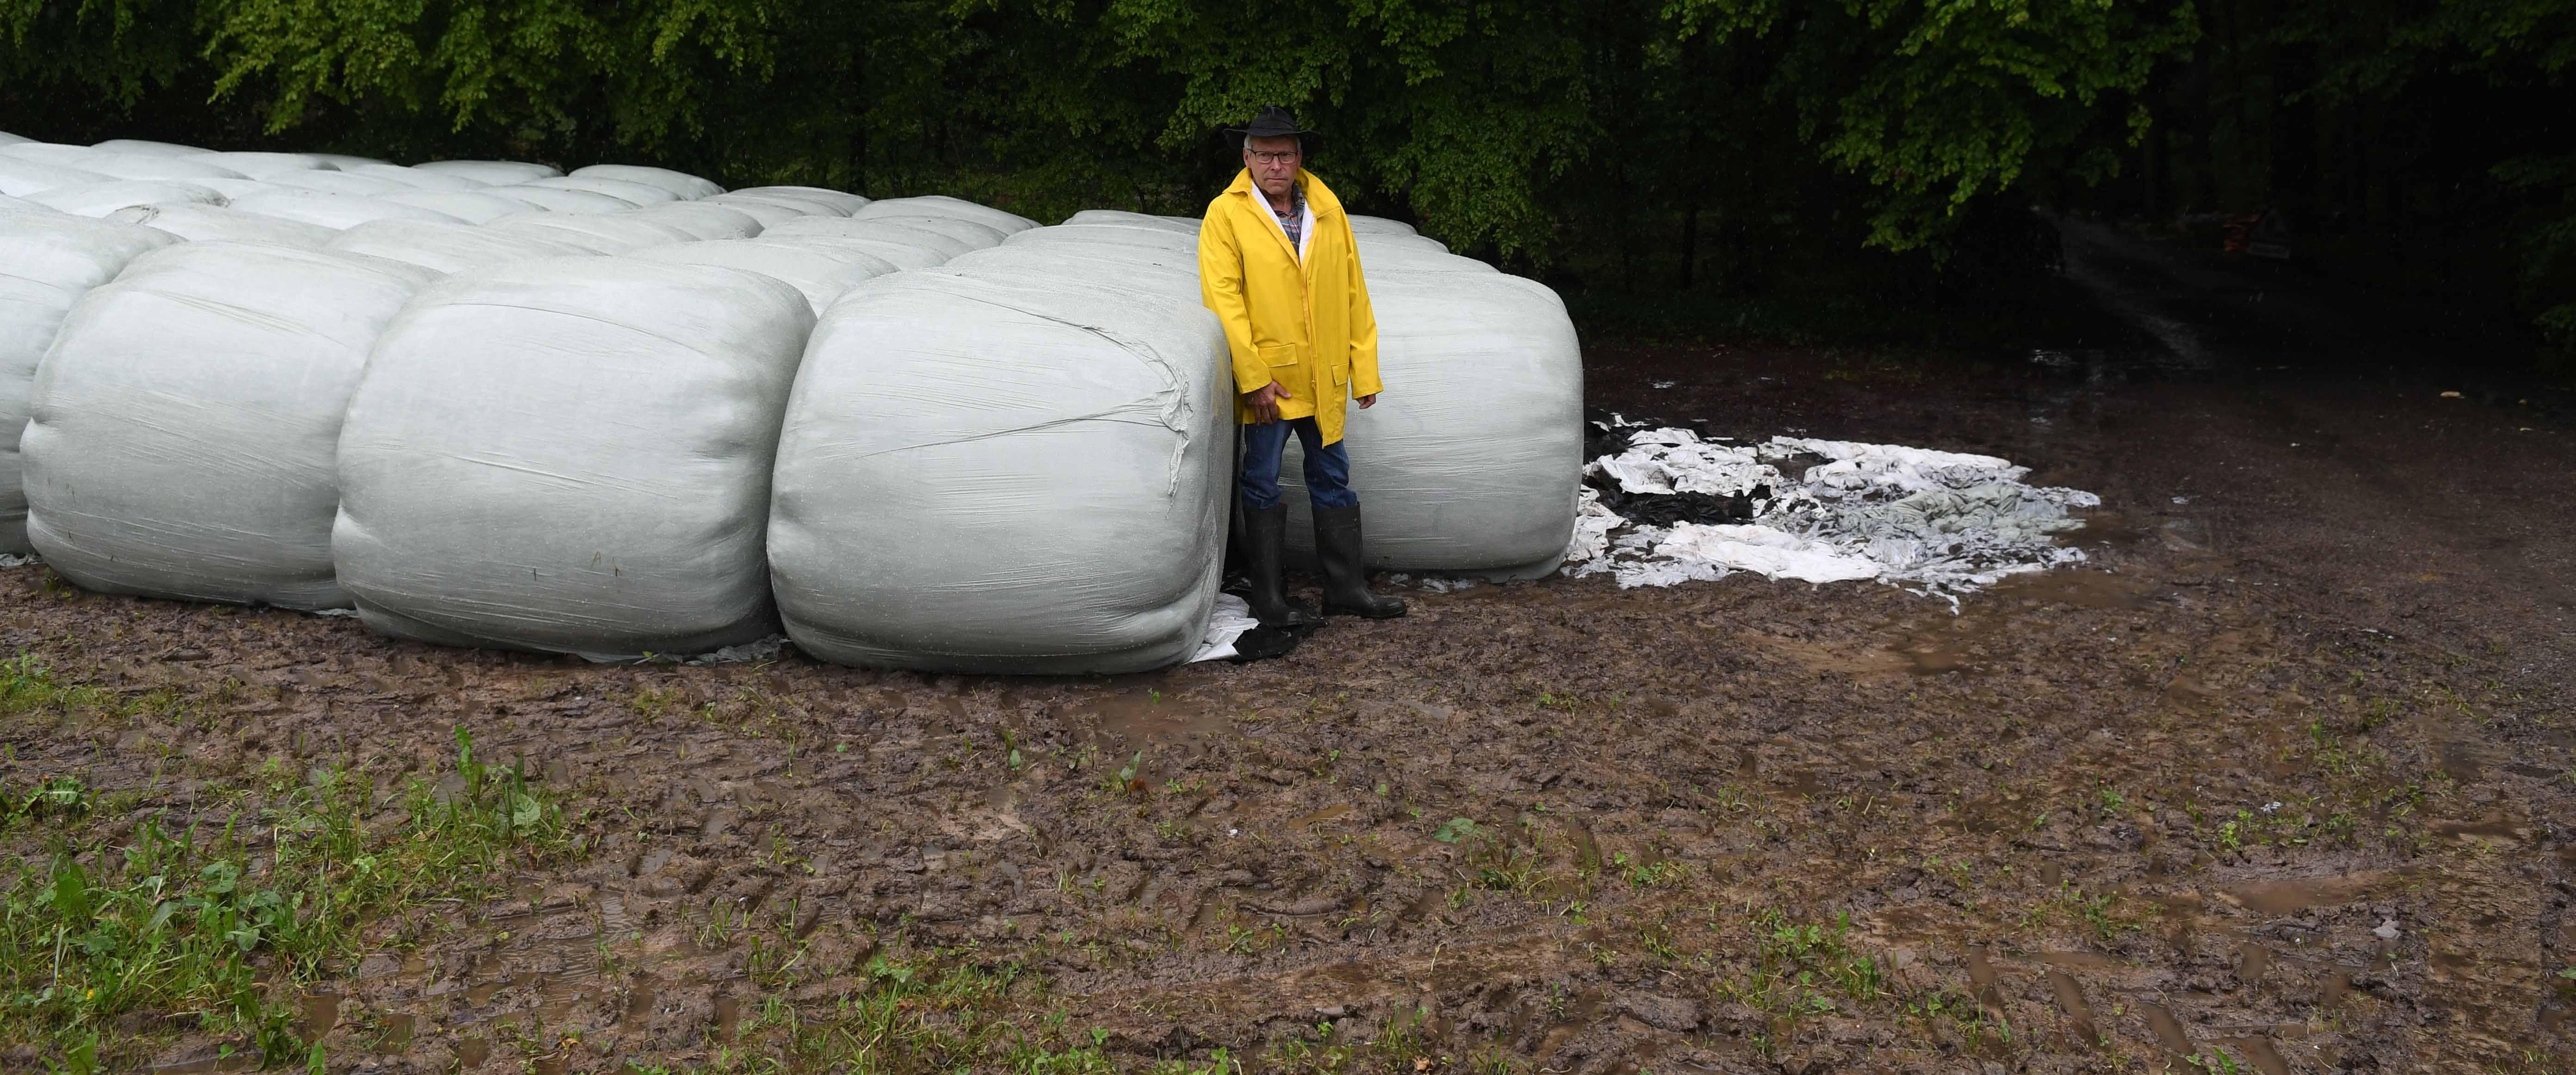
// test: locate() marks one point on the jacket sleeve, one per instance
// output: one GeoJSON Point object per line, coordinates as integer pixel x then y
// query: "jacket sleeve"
{"type": "Point", "coordinates": [1364, 379]}
{"type": "Point", "coordinates": [1221, 288]}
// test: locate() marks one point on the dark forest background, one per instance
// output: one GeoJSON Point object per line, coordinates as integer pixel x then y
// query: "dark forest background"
{"type": "Point", "coordinates": [1836, 168]}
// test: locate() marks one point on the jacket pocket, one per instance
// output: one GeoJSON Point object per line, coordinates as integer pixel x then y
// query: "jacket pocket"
{"type": "Point", "coordinates": [1277, 354]}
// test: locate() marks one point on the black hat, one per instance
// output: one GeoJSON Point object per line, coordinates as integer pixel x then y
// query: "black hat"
{"type": "Point", "coordinates": [1276, 122]}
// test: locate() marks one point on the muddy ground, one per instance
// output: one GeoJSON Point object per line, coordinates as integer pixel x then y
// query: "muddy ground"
{"type": "Point", "coordinates": [2279, 781]}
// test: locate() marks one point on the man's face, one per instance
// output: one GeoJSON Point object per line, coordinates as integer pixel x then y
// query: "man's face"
{"type": "Point", "coordinates": [1273, 162]}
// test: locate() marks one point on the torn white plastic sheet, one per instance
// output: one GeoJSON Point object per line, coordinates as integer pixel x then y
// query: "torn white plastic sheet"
{"type": "Point", "coordinates": [186, 420]}
{"type": "Point", "coordinates": [1936, 523]}
{"type": "Point", "coordinates": [1231, 618]}
{"type": "Point", "coordinates": [571, 455]}
{"type": "Point", "coordinates": [48, 261]}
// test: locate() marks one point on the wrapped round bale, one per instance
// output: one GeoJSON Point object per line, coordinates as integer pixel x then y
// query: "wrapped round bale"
{"type": "Point", "coordinates": [471, 206]}
{"type": "Point", "coordinates": [150, 148]}
{"type": "Point", "coordinates": [495, 173]}
{"type": "Point", "coordinates": [553, 200]}
{"type": "Point", "coordinates": [837, 202]}
{"type": "Point", "coordinates": [571, 455]}
{"type": "Point", "coordinates": [1378, 225]}
{"type": "Point", "coordinates": [680, 184]}
{"type": "Point", "coordinates": [974, 234]}
{"type": "Point", "coordinates": [47, 262]}
{"type": "Point", "coordinates": [1469, 462]}
{"type": "Point", "coordinates": [416, 179]}
{"type": "Point", "coordinates": [879, 234]}
{"type": "Point", "coordinates": [263, 165]}
{"type": "Point", "coordinates": [20, 178]}
{"type": "Point", "coordinates": [445, 248]}
{"type": "Point", "coordinates": [100, 199]}
{"type": "Point", "coordinates": [1177, 225]}
{"type": "Point", "coordinates": [1005, 470]}
{"type": "Point", "coordinates": [633, 194]}
{"type": "Point", "coordinates": [186, 423]}
{"type": "Point", "coordinates": [335, 181]}
{"type": "Point", "coordinates": [941, 205]}
{"type": "Point", "coordinates": [598, 233]}
{"type": "Point", "coordinates": [121, 165]}
{"type": "Point", "coordinates": [211, 224]}
{"type": "Point", "coordinates": [768, 211]}
{"type": "Point", "coordinates": [22, 205]}
{"type": "Point", "coordinates": [334, 211]}
{"type": "Point", "coordinates": [701, 220]}
{"type": "Point", "coordinates": [8, 139]}
{"type": "Point", "coordinates": [822, 274]}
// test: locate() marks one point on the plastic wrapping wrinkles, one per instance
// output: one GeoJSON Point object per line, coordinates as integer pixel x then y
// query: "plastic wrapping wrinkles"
{"type": "Point", "coordinates": [471, 206]}
{"type": "Point", "coordinates": [609, 233]}
{"type": "Point", "coordinates": [101, 199]}
{"type": "Point", "coordinates": [47, 262]}
{"type": "Point", "coordinates": [1004, 469]}
{"type": "Point", "coordinates": [20, 178]}
{"type": "Point", "coordinates": [571, 455]}
{"type": "Point", "coordinates": [334, 211]}
{"type": "Point", "coordinates": [1470, 459]}
{"type": "Point", "coordinates": [445, 248]}
{"type": "Point", "coordinates": [335, 181]}
{"type": "Point", "coordinates": [187, 418]}
{"type": "Point", "coordinates": [209, 224]}
{"type": "Point", "coordinates": [821, 273]}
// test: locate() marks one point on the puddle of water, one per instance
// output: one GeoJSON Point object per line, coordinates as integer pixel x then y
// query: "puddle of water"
{"type": "Point", "coordinates": [2494, 826]}
{"type": "Point", "coordinates": [1989, 985]}
{"type": "Point", "coordinates": [2259, 1051]}
{"type": "Point", "coordinates": [639, 1002]}
{"type": "Point", "coordinates": [2082, 960]}
{"type": "Point", "coordinates": [2070, 999]}
{"type": "Point", "coordinates": [472, 1052]}
{"type": "Point", "coordinates": [321, 1013]}
{"type": "Point", "coordinates": [2169, 1032]}
{"type": "Point", "coordinates": [395, 1031]}
{"type": "Point", "coordinates": [728, 1017]}
{"type": "Point", "coordinates": [2460, 762]}
{"type": "Point", "coordinates": [1144, 716]}
{"type": "Point", "coordinates": [2252, 963]}
{"type": "Point", "coordinates": [2288, 896]}
{"type": "Point", "coordinates": [1335, 812]}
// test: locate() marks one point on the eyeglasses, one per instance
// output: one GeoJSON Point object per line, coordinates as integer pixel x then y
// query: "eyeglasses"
{"type": "Point", "coordinates": [1267, 157]}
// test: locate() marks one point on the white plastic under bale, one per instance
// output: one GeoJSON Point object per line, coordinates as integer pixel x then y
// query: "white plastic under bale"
{"type": "Point", "coordinates": [445, 248]}
{"type": "Point", "coordinates": [822, 274]}
{"type": "Point", "coordinates": [213, 224]}
{"type": "Point", "coordinates": [571, 455]}
{"type": "Point", "coordinates": [186, 423]}
{"type": "Point", "coordinates": [680, 184]}
{"type": "Point", "coordinates": [942, 205]}
{"type": "Point", "coordinates": [47, 262]}
{"type": "Point", "coordinates": [1004, 472]}
{"type": "Point", "coordinates": [1470, 460]}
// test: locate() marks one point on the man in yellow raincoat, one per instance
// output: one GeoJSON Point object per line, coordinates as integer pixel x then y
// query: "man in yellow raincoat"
{"type": "Point", "coordinates": [1278, 264]}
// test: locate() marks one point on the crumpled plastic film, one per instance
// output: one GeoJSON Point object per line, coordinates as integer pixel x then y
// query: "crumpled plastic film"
{"type": "Point", "coordinates": [571, 455]}
{"type": "Point", "coordinates": [187, 420]}
{"type": "Point", "coordinates": [1006, 467]}
{"type": "Point", "coordinates": [48, 261]}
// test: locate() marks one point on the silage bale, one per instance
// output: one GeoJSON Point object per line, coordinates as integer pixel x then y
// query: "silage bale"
{"type": "Point", "coordinates": [47, 262]}
{"type": "Point", "coordinates": [120, 165]}
{"type": "Point", "coordinates": [185, 424]}
{"type": "Point", "coordinates": [415, 178]}
{"type": "Point", "coordinates": [1005, 469]}
{"type": "Point", "coordinates": [633, 194]}
{"type": "Point", "coordinates": [495, 173]}
{"type": "Point", "coordinates": [262, 165]}
{"type": "Point", "coordinates": [975, 234]}
{"type": "Point", "coordinates": [702, 220]}
{"type": "Point", "coordinates": [769, 211]}
{"type": "Point", "coordinates": [610, 233]}
{"type": "Point", "coordinates": [150, 148]}
{"type": "Point", "coordinates": [8, 139]}
{"type": "Point", "coordinates": [571, 455]}
{"type": "Point", "coordinates": [471, 206]}
{"type": "Point", "coordinates": [839, 202]}
{"type": "Point", "coordinates": [335, 181]}
{"type": "Point", "coordinates": [822, 274]}
{"type": "Point", "coordinates": [1378, 225]}
{"type": "Point", "coordinates": [22, 205]}
{"type": "Point", "coordinates": [446, 248]}
{"type": "Point", "coordinates": [343, 160]}
{"type": "Point", "coordinates": [334, 211]}
{"type": "Point", "coordinates": [680, 184]}
{"type": "Point", "coordinates": [20, 178]}
{"type": "Point", "coordinates": [101, 199]}
{"type": "Point", "coordinates": [877, 233]}
{"type": "Point", "coordinates": [943, 205]}
{"type": "Point", "coordinates": [210, 224]}
{"type": "Point", "coordinates": [555, 200]}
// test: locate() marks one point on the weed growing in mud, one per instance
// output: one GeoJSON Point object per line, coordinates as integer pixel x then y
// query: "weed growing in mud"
{"type": "Point", "coordinates": [217, 926]}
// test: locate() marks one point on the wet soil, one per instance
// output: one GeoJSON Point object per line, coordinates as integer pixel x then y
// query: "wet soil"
{"type": "Point", "coordinates": [2282, 773]}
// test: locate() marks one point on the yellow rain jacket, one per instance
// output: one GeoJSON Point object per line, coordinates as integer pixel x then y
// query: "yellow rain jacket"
{"type": "Point", "coordinates": [1301, 320]}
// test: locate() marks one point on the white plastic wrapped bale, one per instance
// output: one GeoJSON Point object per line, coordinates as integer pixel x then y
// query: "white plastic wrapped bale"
{"type": "Point", "coordinates": [472, 206]}
{"type": "Point", "coordinates": [611, 233]}
{"type": "Point", "coordinates": [1140, 220]}
{"type": "Point", "coordinates": [263, 165]}
{"type": "Point", "coordinates": [1411, 254]}
{"type": "Point", "coordinates": [1104, 235]}
{"type": "Point", "coordinates": [974, 234]}
{"type": "Point", "coordinates": [875, 233]}
{"type": "Point", "coordinates": [8, 139]}
{"type": "Point", "coordinates": [495, 173]}
{"type": "Point", "coordinates": [233, 189]}
{"type": "Point", "coordinates": [1378, 225]}
{"type": "Point", "coordinates": [20, 178]}
{"type": "Point", "coordinates": [1006, 473]}
{"type": "Point", "coordinates": [343, 160]}
{"type": "Point", "coordinates": [150, 148]}
{"type": "Point", "coordinates": [839, 202]}
{"type": "Point", "coordinates": [680, 184]}
{"type": "Point", "coordinates": [768, 211]}
{"type": "Point", "coordinates": [571, 455]}
{"type": "Point", "coordinates": [898, 254]}
{"type": "Point", "coordinates": [335, 181]}
{"type": "Point", "coordinates": [446, 248]}
{"type": "Point", "coordinates": [701, 220]}
{"type": "Point", "coordinates": [186, 422]}
{"type": "Point", "coordinates": [214, 224]}
{"type": "Point", "coordinates": [22, 205]}
{"type": "Point", "coordinates": [1470, 460]}
{"type": "Point", "coordinates": [822, 274]}
{"type": "Point", "coordinates": [554, 200]}
{"type": "Point", "coordinates": [633, 194]}
{"type": "Point", "coordinates": [100, 199]}
{"type": "Point", "coordinates": [335, 211]}
{"type": "Point", "coordinates": [131, 165]}
{"type": "Point", "coordinates": [47, 262]}
{"type": "Point", "coordinates": [942, 205]}
{"type": "Point", "coordinates": [416, 179]}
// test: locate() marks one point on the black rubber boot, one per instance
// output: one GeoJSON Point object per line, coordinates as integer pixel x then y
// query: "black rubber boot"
{"type": "Point", "coordinates": [1265, 536]}
{"type": "Point", "coordinates": [1337, 548]}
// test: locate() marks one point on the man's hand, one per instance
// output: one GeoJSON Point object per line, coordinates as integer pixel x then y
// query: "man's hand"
{"type": "Point", "coordinates": [1264, 402]}
{"type": "Point", "coordinates": [1368, 401]}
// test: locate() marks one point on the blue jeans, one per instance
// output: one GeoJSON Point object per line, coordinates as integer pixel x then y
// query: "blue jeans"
{"type": "Point", "coordinates": [1328, 467]}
